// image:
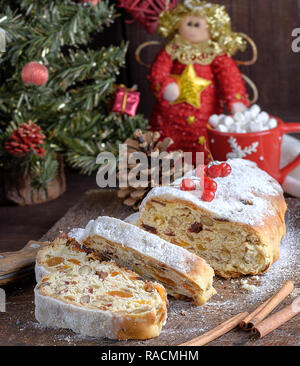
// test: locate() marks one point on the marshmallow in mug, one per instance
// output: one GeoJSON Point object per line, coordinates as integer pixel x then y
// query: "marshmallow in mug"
{"type": "Point", "coordinates": [251, 120]}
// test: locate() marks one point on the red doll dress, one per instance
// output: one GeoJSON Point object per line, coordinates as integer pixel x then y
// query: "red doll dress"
{"type": "Point", "coordinates": [183, 122]}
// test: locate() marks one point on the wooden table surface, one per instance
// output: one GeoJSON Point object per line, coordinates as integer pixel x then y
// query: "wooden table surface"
{"type": "Point", "coordinates": [18, 225]}
{"type": "Point", "coordinates": [185, 321]}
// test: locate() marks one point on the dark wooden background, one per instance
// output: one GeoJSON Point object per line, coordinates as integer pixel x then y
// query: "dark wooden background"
{"type": "Point", "coordinates": [269, 22]}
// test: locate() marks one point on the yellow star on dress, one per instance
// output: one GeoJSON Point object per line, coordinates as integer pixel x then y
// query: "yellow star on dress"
{"type": "Point", "coordinates": [190, 86]}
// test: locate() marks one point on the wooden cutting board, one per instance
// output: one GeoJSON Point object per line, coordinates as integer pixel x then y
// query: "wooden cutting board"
{"type": "Point", "coordinates": [185, 321]}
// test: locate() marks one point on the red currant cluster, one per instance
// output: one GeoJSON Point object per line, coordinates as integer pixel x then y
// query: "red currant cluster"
{"type": "Point", "coordinates": [210, 186]}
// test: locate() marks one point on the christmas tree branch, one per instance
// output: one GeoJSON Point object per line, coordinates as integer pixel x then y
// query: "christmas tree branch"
{"type": "Point", "coordinates": [73, 106]}
{"type": "Point", "coordinates": [82, 151]}
{"type": "Point", "coordinates": [62, 24]}
{"type": "Point", "coordinates": [88, 65]}
{"type": "Point", "coordinates": [12, 24]}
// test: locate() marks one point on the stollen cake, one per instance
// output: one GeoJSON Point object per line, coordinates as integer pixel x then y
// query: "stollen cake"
{"type": "Point", "coordinates": [183, 274]}
{"type": "Point", "coordinates": [237, 233]}
{"type": "Point", "coordinates": [97, 298]}
{"type": "Point", "coordinates": [62, 255]}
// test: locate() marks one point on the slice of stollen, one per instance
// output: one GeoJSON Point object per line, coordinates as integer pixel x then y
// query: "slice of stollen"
{"type": "Point", "coordinates": [98, 299]}
{"type": "Point", "coordinates": [61, 255]}
{"type": "Point", "coordinates": [183, 274]}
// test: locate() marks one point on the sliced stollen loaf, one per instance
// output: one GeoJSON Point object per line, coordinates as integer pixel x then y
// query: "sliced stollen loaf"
{"type": "Point", "coordinates": [237, 233]}
{"type": "Point", "coordinates": [97, 298]}
{"type": "Point", "coordinates": [183, 274]}
{"type": "Point", "coordinates": [62, 255]}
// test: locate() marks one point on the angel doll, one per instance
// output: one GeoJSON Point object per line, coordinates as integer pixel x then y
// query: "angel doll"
{"type": "Point", "coordinates": [194, 76]}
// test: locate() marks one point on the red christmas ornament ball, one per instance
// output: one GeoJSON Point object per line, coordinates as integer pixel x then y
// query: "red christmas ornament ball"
{"type": "Point", "coordinates": [35, 73]}
{"type": "Point", "coordinates": [92, 2]}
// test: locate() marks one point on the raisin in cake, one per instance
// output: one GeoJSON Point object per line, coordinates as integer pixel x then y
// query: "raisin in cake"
{"type": "Point", "coordinates": [183, 274]}
{"type": "Point", "coordinates": [99, 299]}
{"type": "Point", "coordinates": [62, 255]}
{"type": "Point", "coordinates": [238, 233]}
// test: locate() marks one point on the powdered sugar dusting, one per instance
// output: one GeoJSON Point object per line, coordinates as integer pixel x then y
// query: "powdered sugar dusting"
{"type": "Point", "coordinates": [133, 237]}
{"type": "Point", "coordinates": [246, 183]}
{"type": "Point", "coordinates": [232, 297]}
{"type": "Point", "coordinates": [133, 218]}
{"type": "Point", "coordinates": [286, 266]}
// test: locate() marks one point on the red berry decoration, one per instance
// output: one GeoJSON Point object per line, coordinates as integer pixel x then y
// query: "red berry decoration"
{"type": "Point", "coordinates": [214, 171]}
{"type": "Point", "coordinates": [208, 196]}
{"type": "Point", "coordinates": [26, 138]}
{"type": "Point", "coordinates": [92, 2]}
{"type": "Point", "coordinates": [187, 185]}
{"type": "Point", "coordinates": [199, 170]}
{"type": "Point", "coordinates": [35, 73]}
{"type": "Point", "coordinates": [205, 169]}
{"type": "Point", "coordinates": [225, 169]}
{"type": "Point", "coordinates": [210, 184]}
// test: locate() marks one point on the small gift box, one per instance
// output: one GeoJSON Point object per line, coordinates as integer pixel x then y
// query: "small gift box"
{"type": "Point", "coordinates": [126, 100]}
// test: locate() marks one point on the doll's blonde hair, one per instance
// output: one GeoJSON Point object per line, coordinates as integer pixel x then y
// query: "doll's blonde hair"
{"type": "Point", "coordinates": [217, 18]}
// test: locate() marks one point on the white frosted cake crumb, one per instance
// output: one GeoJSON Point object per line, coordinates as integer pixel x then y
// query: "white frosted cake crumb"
{"type": "Point", "coordinates": [246, 183]}
{"type": "Point", "coordinates": [246, 286]}
{"type": "Point", "coordinates": [133, 218]}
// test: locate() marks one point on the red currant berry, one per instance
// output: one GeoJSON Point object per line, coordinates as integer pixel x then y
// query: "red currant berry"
{"type": "Point", "coordinates": [210, 184]}
{"type": "Point", "coordinates": [199, 170]}
{"type": "Point", "coordinates": [205, 170]}
{"type": "Point", "coordinates": [187, 185]}
{"type": "Point", "coordinates": [214, 171]}
{"type": "Point", "coordinates": [208, 196]}
{"type": "Point", "coordinates": [225, 169]}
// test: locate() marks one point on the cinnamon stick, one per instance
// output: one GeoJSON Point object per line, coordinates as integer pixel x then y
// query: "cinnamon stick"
{"type": "Point", "coordinates": [271, 304]}
{"type": "Point", "coordinates": [244, 324]}
{"type": "Point", "coordinates": [216, 332]}
{"type": "Point", "coordinates": [276, 320]}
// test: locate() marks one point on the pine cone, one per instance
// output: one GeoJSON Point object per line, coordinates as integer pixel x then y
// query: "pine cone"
{"type": "Point", "coordinates": [24, 139]}
{"type": "Point", "coordinates": [149, 144]}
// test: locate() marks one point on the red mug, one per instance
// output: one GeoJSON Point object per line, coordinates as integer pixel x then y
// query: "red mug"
{"type": "Point", "coordinates": [264, 148]}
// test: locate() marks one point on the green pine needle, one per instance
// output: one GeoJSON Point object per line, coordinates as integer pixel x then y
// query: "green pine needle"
{"type": "Point", "coordinates": [72, 109]}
